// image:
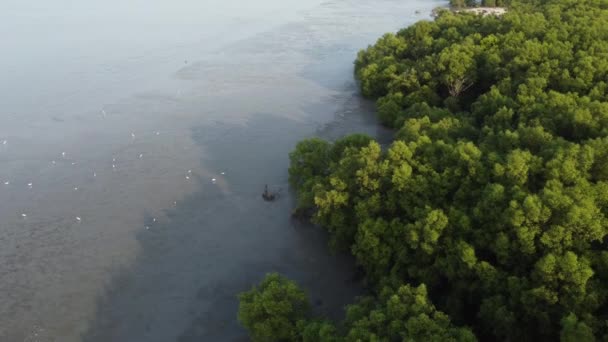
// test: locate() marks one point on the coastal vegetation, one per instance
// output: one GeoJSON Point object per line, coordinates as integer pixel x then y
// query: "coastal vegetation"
{"type": "Point", "coordinates": [486, 218]}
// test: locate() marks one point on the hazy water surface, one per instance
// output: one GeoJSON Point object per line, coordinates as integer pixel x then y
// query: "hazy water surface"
{"type": "Point", "coordinates": [135, 140]}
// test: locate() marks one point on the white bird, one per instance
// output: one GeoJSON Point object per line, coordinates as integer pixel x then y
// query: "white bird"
{"type": "Point", "coordinates": [189, 171]}
{"type": "Point", "coordinates": [75, 188]}
{"type": "Point", "coordinates": [157, 133]}
{"type": "Point", "coordinates": [4, 142]}
{"type": "Point", "coordinates": [223, 173]}
{"type": "Point", "coordinates": [113, 160]}
{"type": "Point", "coordinates": [77, 218]}
{"type": "Point", "coordinates": [153, 219]}
{"type": "Point", "coordinates": [213, 180]}
{"type": "Point", "coordinates": [94, 174]}
{"type": "Point", "coordinates": [141, 155]}
{"type": "Point", "coordinates": [132, 135]}
{"type": "Point", "coordinates": [103, 112]}
{"type": "Point", "coordinates": [23, 215]}
{"type": "Point", "coordinates": [187, 177]}
{"type": "Point", "coordinates": [63, 154]}
{"type": "Point", "coordinates": [29, 185]}
{"type": "Point", "coordinates": [7, 183]}
{"type": "Point", "coordinates": [113, 166]}
{"type": "Point", "coordinates": [147, 227]}
{"type": "Point", "coordinates": [53, 162]}
{"type": "Point", "coordinates": [174, 202]}
{"type": "Point", "coordinates": [73, 163]}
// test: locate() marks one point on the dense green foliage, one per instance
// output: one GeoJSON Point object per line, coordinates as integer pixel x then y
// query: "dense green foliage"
{"type": "Point", "coordinates": [404, 314]}
{"type": "Point", "coordinates": [271, 311]}
{"type": "Point", "coordinates": [494, 195]}
{"type": "Point", "coordinates": [278, 310]}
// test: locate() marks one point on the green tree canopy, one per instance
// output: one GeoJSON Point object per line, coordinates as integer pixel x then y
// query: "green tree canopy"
{"type": "Point", "coordinates": [277, 310]}
{"type": "Point", "coordinates": [493, 194]}
{"type": "Point", "coordinates": [272, 310]}
{"type": "Point", "coordinates": [404, 314]}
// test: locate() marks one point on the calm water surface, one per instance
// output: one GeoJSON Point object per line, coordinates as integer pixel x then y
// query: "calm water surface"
{"type": "Point", "coordinates": [135, 140]}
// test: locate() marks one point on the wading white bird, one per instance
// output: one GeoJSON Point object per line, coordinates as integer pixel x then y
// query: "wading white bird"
{"type": "Point", "coordinates": [63, 154]}
{"type": "Point", "coordinates": [132, 135]}
{"type": "Point", "coordinates": [189, 171]}
{"type": "Point", "coordinates": [23, 215]}
{"type": "Point", "coordinates": [157, 133]}
{"type": "Point", "coordinates": [113, 166]}
{"type": "Point", "coordinates": [113, 160]}
{"type": "Point", "coordinates": [223, 173]}
{"type": "Point", "coordinates": [103, 112]}
{"type": "Point", "coordinates": [7, 183]}
{"type": "Point", "coordinates": [4, 142]}
{"type": "Point", "coordinates": [75, 188]}
{"type": "Point", "coordinates": [53, 162]}
{"type": "Point", "coordinates": [153, 219]}
{"type": "Point", "coordinates": [141, 155]}
{"type": "Point", "coordinates": [94, 174]}
{"type": "Point", "coordinates": [73, 163]}
{"type": "Point", "coordinates": [213, 180]}
{"type": "Point", "coordinates": [147, 227]}
{"type": "Point", "coordinates": [29, 185]}
{"type": "Point", "coordinates": [187, 177]}
{"type": "Point", "coordinates": [77, 218]}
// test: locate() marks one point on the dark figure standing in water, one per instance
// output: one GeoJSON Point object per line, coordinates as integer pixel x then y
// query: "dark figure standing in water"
{"type": "Point", "coordinates": [267, 196]}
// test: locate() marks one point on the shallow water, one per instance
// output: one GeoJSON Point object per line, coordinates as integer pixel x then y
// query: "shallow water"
{"type": "Point", "coordinates": [126, 237]}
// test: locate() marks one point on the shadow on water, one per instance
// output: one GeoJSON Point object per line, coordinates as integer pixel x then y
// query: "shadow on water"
{"type": "Point", "coordinates": [223, 238]}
